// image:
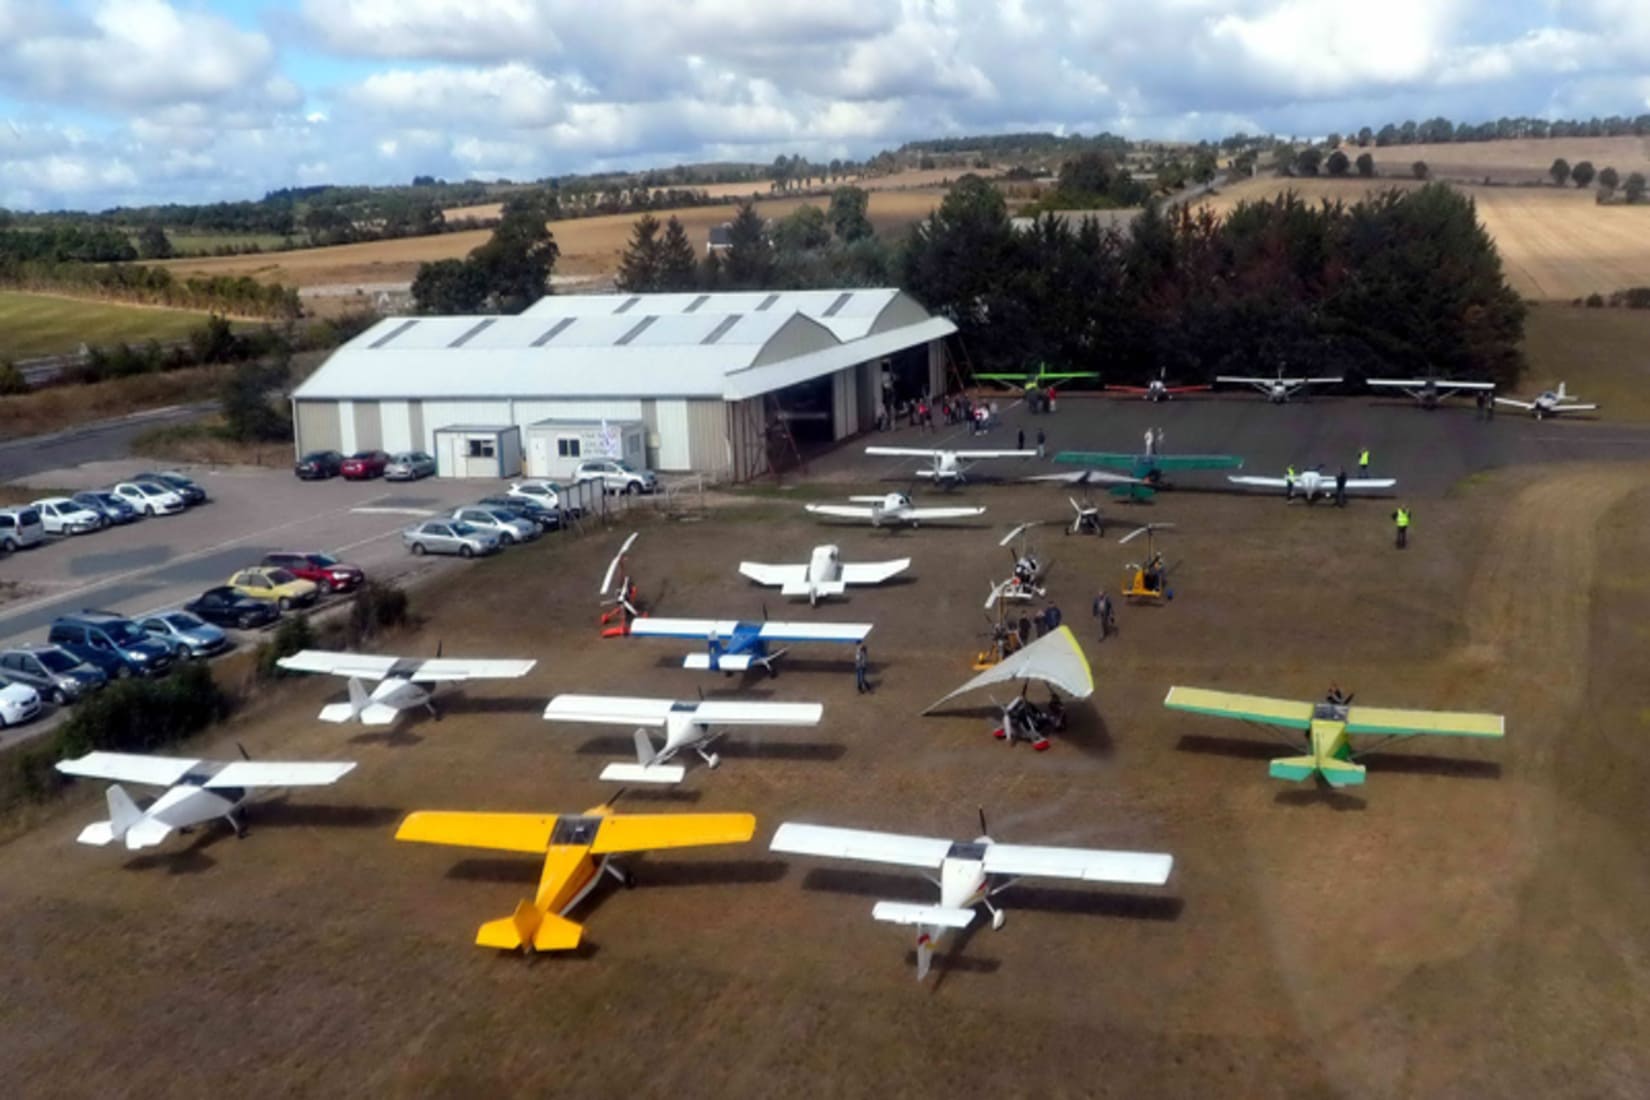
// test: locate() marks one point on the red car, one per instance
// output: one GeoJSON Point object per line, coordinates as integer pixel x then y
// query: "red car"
{"type": "Point", "coordinates": [328, 573]}
{"type": "Point", "coordinates": [364, 464]}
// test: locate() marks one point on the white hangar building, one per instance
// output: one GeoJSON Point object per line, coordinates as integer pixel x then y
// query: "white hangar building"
{"type": "Point", "coordinates": [706, 379]}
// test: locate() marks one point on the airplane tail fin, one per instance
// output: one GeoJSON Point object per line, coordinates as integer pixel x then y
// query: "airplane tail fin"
{"type": "Point", "coordinates": [925, 950]}
{"type": "Point", "coordinates": [123, 814]}
{"type": "Point", "coordinates": [1337, 773]}
{"type": "Point", "coordinates": [644, 749]}
{"type": "Point", "coordinates": [359, 701]}
{"type": "Point", "coordinates": [528, 927]}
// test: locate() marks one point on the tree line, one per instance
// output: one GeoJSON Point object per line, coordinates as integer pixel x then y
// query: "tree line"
{"type": "Point", "coordinates": [238, 295]}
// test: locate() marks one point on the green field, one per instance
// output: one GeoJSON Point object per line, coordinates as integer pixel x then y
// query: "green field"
{"type": "Point", "coordinates": [36, 324]}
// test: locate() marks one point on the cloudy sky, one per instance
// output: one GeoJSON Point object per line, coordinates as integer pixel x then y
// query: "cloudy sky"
{"type": "Point", "coordinates": [114, 101]}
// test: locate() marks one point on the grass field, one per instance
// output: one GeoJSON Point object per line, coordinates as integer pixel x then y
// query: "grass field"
{"type": "Point", "coordinates": [203, 243]}
{"type": "Point", "coordinates": [1509, 161]}
{"type": "Point", "coordinates": [41, 324]}
{"type": "Point", "coordinates": [589, 246]}
{"type": "Point", "coordinates": [1598, 353]}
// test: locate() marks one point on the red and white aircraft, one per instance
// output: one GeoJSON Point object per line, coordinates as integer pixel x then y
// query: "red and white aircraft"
{"type": "Point", "coordinates": [1158, 389]}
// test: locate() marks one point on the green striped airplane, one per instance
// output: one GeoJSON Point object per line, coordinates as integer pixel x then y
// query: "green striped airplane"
{"type": "Point", "coordinates": [1146, 469]}
{"type": "Point", "coordinates": [1330, 728]}
{"type": "Point", "coordinates": [1038, 379]}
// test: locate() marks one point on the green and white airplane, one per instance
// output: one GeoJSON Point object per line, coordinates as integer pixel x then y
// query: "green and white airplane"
{"type": "Point", "coordinates": [1145, 471]}
{"type": "Point", "coordinates": [1039, 379]}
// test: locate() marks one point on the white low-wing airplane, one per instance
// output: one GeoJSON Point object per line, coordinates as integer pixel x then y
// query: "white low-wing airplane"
{"type": "Point", "coordinates": [1279, 389]}
{"type": "Point", "coordinates": [687, 725]}
{"type": "Point", "coordinates": [197, 791]}
{"type": "Point", "coordinates": [398, 680]}
{"type": "Point", "coordinates": [946, 467]}
{"type": "Point", "coordinates": [1548, 403]}
{"type": "Point", "coordinates": [735, 646]}
{"type": "Point", "coordinates": [1311, 483]}
{"type": "Point", "coordinates": [825, 574]}
{"type": "Point", "coordinates": [890, 510]}
{"type": "Point", "coordinates": [968, 873]}
{"type": "Point", "coordinates": [1428, 392]}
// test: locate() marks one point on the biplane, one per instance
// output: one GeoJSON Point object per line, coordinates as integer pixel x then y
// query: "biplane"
{"type": "Point", "coordinates": [1330, 727]}
{"type": "Point", "coordinates": [577, 849]}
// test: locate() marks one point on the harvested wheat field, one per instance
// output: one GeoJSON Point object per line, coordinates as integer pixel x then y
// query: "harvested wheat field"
{"type": "Point", "coordinates": [1524, 161]}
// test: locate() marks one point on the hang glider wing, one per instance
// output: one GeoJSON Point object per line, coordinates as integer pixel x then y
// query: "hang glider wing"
{"type": "Point", "coordinates": [841, 511]}
{"type": "Point", "coordinates": [815, 632]}
{"type": "Point", "coordinates": [1054, 658]}
{"type": "Point", "coordinates": [621, 711]}
{"type": "Point", "coordinates": [1249, 708]}
{"type": "Point", "coordinates": [646, 832]}
{"type": "Point", "coordinates": [618, 560]}
{"type": "Point", "coordinates": [873, 572]}
{"type": "Point", "coordinates": [363, 666]}
{"type": "Point", "coordinates": [860, 844]}
{"type": "Point", "coordinates": [1088, 864]}
{"type": "Point", "coordinates": [774, 575]}
{"type": "Point", "coordinates": [125, 767]}
{"type": "Point", "coordinates": [1392, 721]}
{"type": "Point", "coordinates": [942, 513]}
{"type": "Point", "coordinates": [649, 626]}
{"type": "Point", "coordinates": [500, 832]}
{"type": "Point", "coordinates": [275, 773]}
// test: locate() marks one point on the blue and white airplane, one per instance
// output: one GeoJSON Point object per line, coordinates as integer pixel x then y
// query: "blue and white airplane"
{"type": "Point", "coordinates": [734, 646]}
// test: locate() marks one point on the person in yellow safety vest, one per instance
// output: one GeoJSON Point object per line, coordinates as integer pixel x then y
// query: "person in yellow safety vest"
{"type": "Point", "coordinates": [1363, 462]}
{"type": "Point", "coordinates": [1289, 483]}
{"type": "Point", "coordinates": [1400, 521]}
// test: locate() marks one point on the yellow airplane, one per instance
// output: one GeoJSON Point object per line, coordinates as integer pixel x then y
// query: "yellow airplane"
{"type": "Point", "coordinates": [1330, 727]}
{"type": "Point", "coordinates": [577, 848]}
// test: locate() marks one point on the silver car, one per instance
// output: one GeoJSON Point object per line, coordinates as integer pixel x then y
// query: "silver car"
{"type": "Point", "coordinates": [445, 536]}
{"type": "Point", "coordinates": [51, 670]}
{"type": "Point", "coordinates": [510, 528]}
{"type": "Point", "coordinates": [409, 466]}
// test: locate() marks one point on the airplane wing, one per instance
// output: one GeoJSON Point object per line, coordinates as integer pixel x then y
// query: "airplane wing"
{"type": "Point", "coordinates": [1264, 482]}
{"type": "Point", "coordinates": [815, 632]}
{"type": "Point", "coordinates": [1317, 381]}
{"type": "Point", "coordinates": [500, 832]}
{"type": "Point", "coordinates": [1187, 389]}
{"type": "Point", "coordinates": [126, 767]}
{"type": "Point", "coordinates": [942, 513]}
{"type": "Point", "coordinates": [981, 455]}
{"type": "Point", "coordinates": [1054, 658]}
{"type": "Point", "coordinates": [645, 832]}
{"type": "Point", "coordinates": [1396, 383]}
{"type": "Point", "coordinates": [1515, 403]}
{"type": "Point", "coordinates": [1088, 864]}
{"type": "Point", "coordinates": [1110, 460]}
{"type": "Point", "coordinates": [1446, 722]}
{"type": "Point", "coordinates": [649, 626]}
{"type": "Point", "coordinates": [613, 566]}
{"type": "Point", "coordinates": [1083, 477]}
{"type": "Point", "coordinates": [1196, 462]}
{"type": "Point", "coordinates": [1130, 389]}
{"type": "Point", "coordinates": [362, 666]}
{"type": "Point", "coordinates": [841, 511]}
{"type": "Point", "coordinates": [903, 452]}
{"type": "Point", "coordinates": [774, 575]}
{"type": "Point", "coordinates": [1574, 408]}
{"type": "Point", "coordinates": [275, 773]}
{"type": "Point", "coordinates": [462, 668]}
{"type": "Point", "coordinates": [873, 572]}
{"type": "Point", "coordinates": [622, 711]}
{"type": "Point", "coordinates": [1371, 482]}
{"type": "Point", "coordinates": [861, 844]}
{"type": "Point", "coordinates": [1239, 380]}
{"type": "Point", "coordinates": [1249, 708]}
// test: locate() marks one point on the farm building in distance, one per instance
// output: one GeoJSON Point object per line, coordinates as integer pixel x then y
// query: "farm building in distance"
{"type": "Point", "coordinates": [728, 385]}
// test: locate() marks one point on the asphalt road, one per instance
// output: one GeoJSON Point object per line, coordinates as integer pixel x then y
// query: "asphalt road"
{"type": "Point", "coordinates": [105, 439]}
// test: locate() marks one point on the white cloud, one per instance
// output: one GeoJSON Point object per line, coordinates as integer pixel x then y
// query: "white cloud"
{"type": "Point", "coordinates": [511, 95]}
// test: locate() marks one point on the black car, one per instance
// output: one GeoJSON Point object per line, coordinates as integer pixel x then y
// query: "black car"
{"type": "Point", "coordinates": [548, 519]}
{"type": "Point", "coordinates": [191, 493]}
{"type": "Point", "coordinates": [318, 465]}
{"type": "Point", "coordinates": [223, 606]}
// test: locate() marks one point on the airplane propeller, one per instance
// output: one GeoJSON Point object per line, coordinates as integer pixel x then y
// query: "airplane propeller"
{"type": "Point", "coordinates": [244, 754]}
{"type": "Point", "coordinates": [984, 829]}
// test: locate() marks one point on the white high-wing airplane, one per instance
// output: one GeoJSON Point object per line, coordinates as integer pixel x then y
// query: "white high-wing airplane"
{"type": "Point", "coordinates": [1547, 403]}
{"type": "Point", "coordinates": [890, 510]}
{"type": "Point", "coordinates": [1428, 392]}
{"type": "Point", "coordinates": [397, 678]}
{"type": "Point", "coordinates": [968, 873]}
{"type": "Point", "coordinates": [824, 575]}
{"type": "Point", "coordinates": [735, 646]}
{"type": "Point", "coordinates": [947, 467]}
{"type": "Point", "coordinates": [197, 791]}
{"type": "Point", "coordinates": [1279, 389]}
{"type": "Point", "coordinates": [1311, 483]}
{"type": "Point", "coordinates": [687, 725]}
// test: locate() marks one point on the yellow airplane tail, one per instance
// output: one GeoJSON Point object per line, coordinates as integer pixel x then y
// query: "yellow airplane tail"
{"type": "Point", "coordinates": [1337, 773]}
{"type": "Point", "coordinates": [528, 926]}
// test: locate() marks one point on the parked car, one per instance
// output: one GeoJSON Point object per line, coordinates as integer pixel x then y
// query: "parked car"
{"type": "Point", "coordinates": [285, 590]}
{"type": "Point", "coordinates": [112, 643]}
{"type": "Point", "coordinates": [191, 492]}
{"type": "Point", "coordinates": [364, 464]}
{"type": "Point", "coordinates": [510, 528]}
{"type": "Point", "coordinates": [18, 704]}
{"type": "Point", "coordinates": [318, 465]}
{"type": "Point", "coordinates": [546, 494]}
{"type": "Point", "coordinates": [62, 516]}
{"type": "Point", "coordinates": [20, 527]}
{"type": "Point", "coordinates": [106, 504]}
{"type": "Point", "coordinates": [150, 498]}
{"type": "Point", "coordinates": [223, 606]}
{"type": "Point", "coordinates": [617, 476]}
{"type": "Point", "coordinates": [548, 519]}
{"type": "Point", "coordinates": [187, 634]}
{"type": "Point", "coordinates": [326, 572]}
{"type": "Point", "coordinates": [409, 466]}
{"type": "Point", "coordinates": [442, 536]}
{"type": "Point", "coordinates": [51, 670]}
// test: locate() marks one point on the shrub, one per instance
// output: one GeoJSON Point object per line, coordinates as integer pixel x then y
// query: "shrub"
{"type": "Point", "coordinates": [292, 635]}
{"type": "Point", "coordinates": [378, 606]}
{"type": "Point", "coordinates": [11, 379]}
{"type": "Point", "coordinates": [1595, 300]}
{"type": "Point", "coordinates": [144, 715]}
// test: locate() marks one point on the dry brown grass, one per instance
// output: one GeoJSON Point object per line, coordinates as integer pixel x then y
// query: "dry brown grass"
{"type": "Point", "coordinates": [1509, 161]}
{"type": "Point", "coordinates": [201, 443]}
{"type": "Point", "coordinates": [60, 407]}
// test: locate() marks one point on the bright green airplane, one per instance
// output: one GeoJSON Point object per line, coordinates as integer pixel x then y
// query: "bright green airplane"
{"type": "Point", "coordinates": [1038, 379]}
{"type": "Point", "coordinates": [1147, 469]}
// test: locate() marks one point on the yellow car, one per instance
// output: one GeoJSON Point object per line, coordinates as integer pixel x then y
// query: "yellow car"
{"type": "Point", "coordinates": [284, 589]}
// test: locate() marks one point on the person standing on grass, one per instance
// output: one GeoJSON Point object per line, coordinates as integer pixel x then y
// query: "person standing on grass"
{"type": "Point", "coordinates": [1400, 526]}
{"type": "Point", "coordinates": [862, 661]}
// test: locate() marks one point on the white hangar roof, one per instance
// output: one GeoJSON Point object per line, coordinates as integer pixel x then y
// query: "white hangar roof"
{"type": "Point", "coordinates": [727, 346]}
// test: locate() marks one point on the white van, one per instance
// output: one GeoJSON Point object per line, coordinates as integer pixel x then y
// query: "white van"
{"type": "Point", "coordinates": [20, 527]}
